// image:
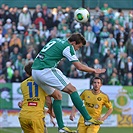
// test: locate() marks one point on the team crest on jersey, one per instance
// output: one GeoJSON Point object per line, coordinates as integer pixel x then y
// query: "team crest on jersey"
{"type": "Point", "coordinates": [99, 98]}
{"type": "Point", "coordinates": [88, 96]}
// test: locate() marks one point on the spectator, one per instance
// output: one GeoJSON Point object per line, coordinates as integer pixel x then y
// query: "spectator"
{"type": "Point", "coordinates": [104, 34]}
{"type": "Point", "coordinates": [122, 67]}
{"type": "Point", "coordinates": [2, 78]}
{"type": "Point", "coordinates": [97, 65]}
{"type": "Point", "coordinates": [16, 76]}
{"type": "Point", "coordinates": [19, 65]}
{"type": "Point", "coordinates": [14, 54]}
{"type": "Point", "coordinates": [8, 71]}
{"type": "Point", "coordinates": [73, 72]}
{"type": "Point", "coordinates": [87, 53]}
{"type": "Point", "coordinates": [39, 21]}
{"type": "Point", "coordinates": [128, 79]}
{"type": "Point", "coordinates": [114, 79]}
{"type": "Point", "coordinates": [130, 64]}
{"type": "Point", "coordinates": [5, 51]}
{"type": "Point", "coordinates": [110, 29]}
{"type": "Point", "coordinates": [70, 15]}
{"type": "Point", "coordinates": [105, 8]}
{"type": "Point", "coordinates": [65, 32]}
{"type": "Point", "coordinates": [90, 36]}
{"type": "Point", "coordinates": [109, 71]}
{"type": "Point", "coordinates": [129, 44]}
{"type": "Point", "coordinates": [25, 17]}
{"type": "Point", "coordinates": [38, 9]}
{"type": "Point", "coordinates": [28, 58]}
{"type": "Point", "coordinates": [110, 60]}
{"type": "Point", "coordinates": [104, 48]}
{"type": "Point", "coordinates": [1, 37]}
{"type": "Point", "coordinates": [8, 24]}
{"type": "Point", "coordinates": [111, 39]}
{"type": "Point", "coordinates": [121, 49]}
{"type": "Point", "coordinates": [45, 10]}
{"type": "Point", "coordinates": [15, 42]}
{"type": "Point", "coordinates": [114, 49]}
{"type": "Point", "coordinates": [2, 63]}
{"type": "Point", "coordinates": [50, 20]}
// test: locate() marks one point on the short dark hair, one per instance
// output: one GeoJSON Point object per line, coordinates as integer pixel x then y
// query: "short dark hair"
{"type": "Point", "coordinates": [97, 78]}
{"type": "Point", "coordinates": [28, 68]}
{"type": "Point", "coordinates": [78, 38]}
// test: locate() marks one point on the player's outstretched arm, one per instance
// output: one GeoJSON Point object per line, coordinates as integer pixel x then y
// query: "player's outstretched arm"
{"type": "Point", "coordinates": [85, 68]}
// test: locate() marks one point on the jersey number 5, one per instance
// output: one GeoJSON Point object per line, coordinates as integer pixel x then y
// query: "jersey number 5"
{"type": "Point", "coordinates": [31, 85]}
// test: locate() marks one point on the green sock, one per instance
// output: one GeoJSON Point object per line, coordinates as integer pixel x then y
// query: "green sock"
{"type": "Point", "coordinates": [79, 105]}
{"type": "Point", "coordinates": [58, 113]}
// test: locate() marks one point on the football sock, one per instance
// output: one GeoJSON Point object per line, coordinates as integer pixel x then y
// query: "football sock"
{"type": "Point", "coordinates": [78, 103]}
{"type": "Point", "coordinates": [58, 112]}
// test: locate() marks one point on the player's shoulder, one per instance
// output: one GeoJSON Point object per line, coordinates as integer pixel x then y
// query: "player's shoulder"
{"type": "Point", "coordinates": [29, 79]}
{"type": "Point", "coordinates": [104, 94]}
{"type": "Point", "coordinates": [86, 91]}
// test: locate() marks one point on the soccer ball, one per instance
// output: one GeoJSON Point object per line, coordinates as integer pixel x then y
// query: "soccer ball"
{"type": "Point", "coordinates": [81, 15]}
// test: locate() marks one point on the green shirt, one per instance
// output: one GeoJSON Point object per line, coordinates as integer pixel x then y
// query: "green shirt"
{"type": "Point", "coordinates": [53, 52]}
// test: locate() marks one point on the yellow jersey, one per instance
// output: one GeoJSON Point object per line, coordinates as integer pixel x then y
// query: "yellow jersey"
{"type": "Point", "coordinates": [33, 99]}
{"type": "Point", "coordinates": [94, 103]}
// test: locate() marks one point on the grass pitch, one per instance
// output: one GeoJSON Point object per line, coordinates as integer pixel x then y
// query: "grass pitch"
{"type": "Point", "coordinates": [55, 130]}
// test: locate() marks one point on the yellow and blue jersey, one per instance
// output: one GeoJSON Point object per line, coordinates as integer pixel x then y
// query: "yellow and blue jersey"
{"type": "Point", "coordinates": [33, 99]}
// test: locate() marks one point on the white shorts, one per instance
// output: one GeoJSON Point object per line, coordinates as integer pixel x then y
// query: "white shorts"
{"type": "Point", "coordinates": [50, 79]}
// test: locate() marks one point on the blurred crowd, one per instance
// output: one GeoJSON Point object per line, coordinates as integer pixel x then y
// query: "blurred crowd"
{"type": "Point", "coordinates": [108, 32]}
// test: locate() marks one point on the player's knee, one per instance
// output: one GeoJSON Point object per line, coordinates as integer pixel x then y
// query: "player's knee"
{"type": "Point", "coordinates": [57, 95]}
{"type": "Point", "coordinates": [69, 89]}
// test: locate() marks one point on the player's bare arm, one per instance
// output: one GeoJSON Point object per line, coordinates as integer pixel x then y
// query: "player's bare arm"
{"type": "Point", "coordinates": [49, 104]}
{"type": "Point", "coordinates": [103, 118]}
{"type": "Point", "coordinates": [85, 68]}
{"type": "Point", "coordinates": [72, 115]}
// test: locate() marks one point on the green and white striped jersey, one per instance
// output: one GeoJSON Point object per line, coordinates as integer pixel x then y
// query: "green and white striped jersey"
{"type": "Point", "coordinates": [53, 52]}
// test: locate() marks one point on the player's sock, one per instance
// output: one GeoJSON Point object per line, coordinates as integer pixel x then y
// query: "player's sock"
{"type": "Point", "coordinates": [58, 112]}
{"type": "Point", "coordinates": [79, 105]}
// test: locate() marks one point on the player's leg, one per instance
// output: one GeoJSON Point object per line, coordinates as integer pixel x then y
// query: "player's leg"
{"type": "Point", "coordinates": [78, 103]}
{"type": "Point", "coordinates": [48, 80]}
{"type": "Point", "coordinates": [57, 107]}
{"type": "Point", "coordinates": [38, 125]}
{"type": "Point", "coordinates": [81, 128]}
{"type": "Point", "coordinates": [25, 125]}
{"type": "Point", "coordinates": [93, 128]}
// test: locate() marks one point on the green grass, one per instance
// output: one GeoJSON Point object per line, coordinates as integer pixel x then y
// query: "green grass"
{"type": "Point", "coordinates": [54, 130]}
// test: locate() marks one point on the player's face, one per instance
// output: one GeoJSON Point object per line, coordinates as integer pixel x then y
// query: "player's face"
{"type": "Point", "coordinates": [97, 84]}
{"type": "Point", "coordinates": [77, 46]}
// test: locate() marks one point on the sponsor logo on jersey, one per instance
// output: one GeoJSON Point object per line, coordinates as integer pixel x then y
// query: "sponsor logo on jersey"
{"type": "Point", "coordinates": [32, 103]}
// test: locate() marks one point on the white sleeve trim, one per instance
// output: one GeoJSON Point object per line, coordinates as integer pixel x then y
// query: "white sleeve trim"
{"type": "Point", "coordinates": [67, 54]}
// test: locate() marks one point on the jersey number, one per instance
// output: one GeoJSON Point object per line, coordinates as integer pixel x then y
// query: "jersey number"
{"type": "Point", "coordinates": [48, 45]}
{"type": "Point", "coordinates": [30, 85]}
